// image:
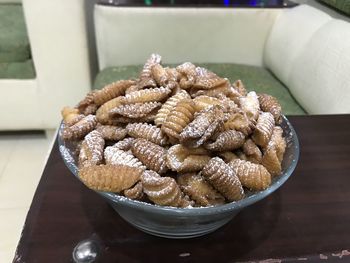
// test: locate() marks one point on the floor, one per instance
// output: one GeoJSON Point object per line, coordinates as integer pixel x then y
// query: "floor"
{"type": "Point", "coordinates": [22, 159]}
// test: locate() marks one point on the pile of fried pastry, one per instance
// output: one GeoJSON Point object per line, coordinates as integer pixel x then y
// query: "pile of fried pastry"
{"type": "Point", "coordinates": [181, 137]}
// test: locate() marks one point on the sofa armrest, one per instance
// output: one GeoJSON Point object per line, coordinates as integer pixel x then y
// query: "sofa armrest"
{"type": "Point", "coordinates": [58, 37]}
{"type": "Point", "coordinates": [309, 52]}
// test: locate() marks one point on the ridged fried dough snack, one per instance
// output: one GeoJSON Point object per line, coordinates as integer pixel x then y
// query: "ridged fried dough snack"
{"type": "Point", "coordinates": [227, 141]}
{"type": "Point", "coordinates": [252, 151]}
{"type": "Point", "coordinates": [176, 122]}
{"type": "Point", "coordinates": [169, 105]}
{"type": "Point", "coordinates": [71, 116]}
{"type": "Point", "coordinates": [205, 79]}
{"type": "Point", "coordinates": [202, 102]}
{"type": "Point", "coordinates": [111, 133]}
{"type": "Point", "coordinates": [188, 74]}
{"type": "Point", "coordinates": [91, 151]}
{"type": "Point", "coordinates": [110, 178]}
{"type": "Point", "coordinates": [124, 144]}
{"type": "Point", "coordinates": [79, 129]}
{"type": "Point", "coordinates": [102, 114]}
{"type": "Point", "coordinates": [146, 95]}
{"type": "Point", "coordinates": [273, 153]}
{"type": "Point", "coordinates": [224, 179]}
{"type": "Point", "coordinates": [146, 73]}
{"type": "Point", "coordinates": [111, 91]}
{"type": "Point", "coordinates": [151, 155]}
{"type": "Point", "coordinates": [162, 190]}
{"type": "Point", "coordinates": [199, 190]}
{"type": "Point", "coordinates": [239, 121]}
{"type": "Point", "coordinates": [135, 192]}
{"type": "Point", "coordinates": [264, 128]}
{"type": "Point", "coordinates": [270, 104]}
{"type": "Point", "coordinates": [182, 159]}
{"type": "Point", "coordinates": [115, 156]}
{"type": "Point", "coordinates": [250, 105]}
{"type": "Point", "coordinates": [135, 110]}
{"type": "Point", "coordinates": [160, 75]}
{"type": "Point", "coordinates": [239, 86]}
{"type": "Point", "coordinates": [178, 118]}
{"type": "Point", "coordinates": [148, 132]}
{"type": "Point", "coordinates": [253, 176]}
{"type": "Point", "coordinates": [204, 125]}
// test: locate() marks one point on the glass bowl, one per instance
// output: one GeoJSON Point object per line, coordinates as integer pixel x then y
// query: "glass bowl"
{"type": "Point", "coordinates": [173, 222]}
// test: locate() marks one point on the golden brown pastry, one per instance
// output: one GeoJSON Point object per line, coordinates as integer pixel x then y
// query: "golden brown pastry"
{"type": "Point", "coordinates": [146, 73]}
{"type": "Point", "coordinates": [124, 120]}
{"type": "Point", "coordinates": [114, 156]}
{"type": "Point", "coordinates": [188, 74]}
{"type": "Point", "coordinates": [227, 141]}
{"type": "Point", "coordinates": [111, 91]}
{"type": "Point", "coordinates": [270, 104]}
{"type": "Point", "coordinates": [182, 159]}
{"type": "Point", "coordinates": [264, 128]}
{"type": "Point", "coordinates": [111, 133]}
{"type": "Point", "coordinates": [88, 100]}
{"type": "Point", "coordinates": [223, 178]}
{"type": "Point", "coordinates": [146, 95]}
{"type": "Point", "coordinates": [199, 190]}
{"type": "Point", "coordinates": [224, 89]}
{"type": "Point", "coordinates": [202, 102]}
{"type": "Point", "coordinates": [205, 79]}
{"type": "Point", "coordinates": [274, 151]}
{"type": "Point", "coordinates": [91, 151]}
{"type": "Point", "coordinates": [79, 129]}
{"type": "Point", "coordinates": [71, 116]}
{"type": "Point", "coordinates": [239, 86]}
{"type": "Point", "coordinates": [227, 156]}
{"type": "Point", "coordinates": [169, 105]}
{"type": "Point", "coordinates": [160, 75]}
{"type": "Point", "coordinates": [250, 105]}
{"type": "Point", "coordinates": [252, 151]}
{"type": "Point", "coordinates": [148, 132]}
{"type": "Point", "coordinates": [124, 144]}
{"type": "Point", "coordinates": [151, 155]}
{"type": "Point", "coordinates": [239, 121]}
{"type": "Point", "coordinates": [178, 118]}
{"type": "Point", "coordinates": [162, 190]}
{"type": "Point", "coordinates": [204, 125]}
{"type": "Point", "coordinates": [253, 176]}
{"type": "Point", "coordinates": [135, 192]}
{"type": "Point", "coordinates": [135, 110]}
{"type": "Point", "coordinates": [102, 113]}
{"type": "Point", "coordinates": [132, 88]}
{"type": "Point", "coordinates": [110, 178]}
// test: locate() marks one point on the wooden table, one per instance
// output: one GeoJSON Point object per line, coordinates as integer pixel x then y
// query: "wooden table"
{"type": "Point", "coordinates": [308, 218]}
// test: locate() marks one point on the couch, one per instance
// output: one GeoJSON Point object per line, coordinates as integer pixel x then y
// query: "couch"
{"type": "Point", "coordinates": [59, 71]}
{"type": "Point", "coordinates": [301, 55]}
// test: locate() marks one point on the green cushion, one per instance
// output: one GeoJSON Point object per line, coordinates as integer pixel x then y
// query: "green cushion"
{"type": "Point", "coordinates": [254, 78]}
{"type": "Point", "coordinates": [17, 70]}
{"type": "Point", "coordinates": [14, 43]}
{"type": "Point", "coordinates": [342, 5]}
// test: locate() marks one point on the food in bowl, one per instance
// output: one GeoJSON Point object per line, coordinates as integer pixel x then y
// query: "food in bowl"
{"type": "Point", "coordinates": [181, 137]}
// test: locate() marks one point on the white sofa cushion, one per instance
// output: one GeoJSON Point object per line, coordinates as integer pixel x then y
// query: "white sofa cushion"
{"type": "Point", "coordinates": [290, 32]}
{"type": "Point", "coordinates": [127, 36]}
{"type": "Point", "coordinates": [320, 77]}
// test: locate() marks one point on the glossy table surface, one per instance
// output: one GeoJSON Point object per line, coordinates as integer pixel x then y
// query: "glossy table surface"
{"type": "Point", "coordinates": [308, 218]}
{"type": "Point", "coordinates": [200, 3]}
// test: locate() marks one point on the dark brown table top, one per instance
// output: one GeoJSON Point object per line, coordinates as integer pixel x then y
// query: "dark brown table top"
{"type": "Point", "coordinates": [308, 218]}
{"type": "Point", "coordinates": [201, 3]}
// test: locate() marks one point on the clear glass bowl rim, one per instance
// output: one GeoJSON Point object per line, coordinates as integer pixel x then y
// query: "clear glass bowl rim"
{"type": "Point", "coordinates": [195, 211]}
